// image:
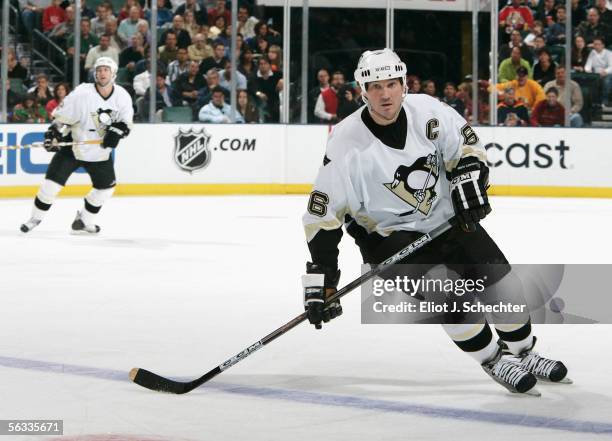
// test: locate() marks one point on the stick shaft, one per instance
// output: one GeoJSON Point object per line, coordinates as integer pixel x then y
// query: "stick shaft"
{"type": "Point", "coordinates": [59, 144]}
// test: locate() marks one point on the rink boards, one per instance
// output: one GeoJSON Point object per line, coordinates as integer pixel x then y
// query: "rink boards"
{"type": "Point", "coordinates": [180, 159]}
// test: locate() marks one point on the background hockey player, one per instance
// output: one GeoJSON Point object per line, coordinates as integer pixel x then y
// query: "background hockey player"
{"type": "Point", "coordinates": [393, 170]}
{"type": "Point", "coordinates": [93, 111]}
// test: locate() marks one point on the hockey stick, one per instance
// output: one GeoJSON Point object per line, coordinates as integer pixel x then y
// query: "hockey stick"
{"type": "Point", "coordinates": [59, 144]}
{"type": "Point", "coordinates": [158, 383]}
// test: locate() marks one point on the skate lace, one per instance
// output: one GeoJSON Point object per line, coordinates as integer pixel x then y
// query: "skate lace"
{"type": "Point", "coordinates": [538, 365]}
{"type": "Point", "coordinates": [508, 371]}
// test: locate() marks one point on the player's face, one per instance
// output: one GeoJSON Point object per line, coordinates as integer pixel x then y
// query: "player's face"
{"type": "Point", "coordinates": [103, 75]}
{"type": "Point", "coordinates": [385, 97]}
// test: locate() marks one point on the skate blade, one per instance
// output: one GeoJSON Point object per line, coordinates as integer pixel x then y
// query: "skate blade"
{"type": "Point", "coordinates": [83, 233]}
{"type": "Point", "coordinates": [533, 392]}
{"type": "Point", "coordinates": [564, 381]}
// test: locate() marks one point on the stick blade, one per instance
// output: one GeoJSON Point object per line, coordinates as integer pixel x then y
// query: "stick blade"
{"type": "Point", "coordinates": [155, 382]}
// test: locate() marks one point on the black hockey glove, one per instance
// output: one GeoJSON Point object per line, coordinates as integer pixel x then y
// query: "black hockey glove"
{"type": "Point", "coordinates": [52, 137]}
{"type": "Point", "coordinates": [469, 184]}
{"type": "Point", "coordinates": [319, 284]}
{"type": "Point", "coordinates": [115, 132]}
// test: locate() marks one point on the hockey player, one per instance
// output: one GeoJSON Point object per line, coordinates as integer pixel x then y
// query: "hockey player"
{"type": "Point", "coordinates": [93, 111]}
{"type": "Point", "coordinates": [393, 170]}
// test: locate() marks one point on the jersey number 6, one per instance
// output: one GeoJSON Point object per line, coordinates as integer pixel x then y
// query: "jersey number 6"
{"type": "Point", "coordinates": [317, 204]}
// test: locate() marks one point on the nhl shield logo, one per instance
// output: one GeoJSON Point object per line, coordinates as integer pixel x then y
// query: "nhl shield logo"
{"type": "Point", "coordinates": [191, 150]}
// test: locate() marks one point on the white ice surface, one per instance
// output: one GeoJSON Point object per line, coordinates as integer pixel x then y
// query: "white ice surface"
{"type": "Point", "coordinates": [177, 285]}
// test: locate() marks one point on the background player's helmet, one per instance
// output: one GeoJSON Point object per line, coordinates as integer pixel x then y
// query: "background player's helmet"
{"type": "Point", "coordinates": [382, 64]}
{"type": "Point", "coordinates": [108, 62]}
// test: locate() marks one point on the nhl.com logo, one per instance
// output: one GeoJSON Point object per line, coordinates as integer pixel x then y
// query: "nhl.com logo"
{"type": "Point", "coordinates": [192, 149]}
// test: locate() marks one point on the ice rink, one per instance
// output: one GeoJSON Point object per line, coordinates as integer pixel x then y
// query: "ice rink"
{"type": "Point", "coordinates": [177, 285]}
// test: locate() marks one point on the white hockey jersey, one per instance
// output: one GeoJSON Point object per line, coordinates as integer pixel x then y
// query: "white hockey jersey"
{"type": "Point", "coordinates": [81, 110]}
{"type": "Point", "coordinates": [385, 189]}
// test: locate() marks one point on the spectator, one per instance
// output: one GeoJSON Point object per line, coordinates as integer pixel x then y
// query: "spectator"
{"type": "Point", "coordinates": [515, 16]}
{"type": "Point", "coordinates": [528, 91]}
{"type": "Point", "coordinates": [556, 32]}
{"type": "Point", "coordinates": [205, 93]}
{"type": "Point", "coordinates": [450, 98]}
{"type": "Point", "coordinates": [52, 16]}
{"type": "Point", "coordinates": [225, 78]}
{"type": "Point", "coordinates": [548, 113]}
{"type": "Point", "coordinates": [199, 12]}
{"type": "Point", "coordinates": [188, 84]}
{"type": "Point", "coordinates": [510, 106]}
{"type": "Point", "coordinates": [326, 107]}
{"type": "Point", "coordinates": [178, 27]}
{"type": "Point", "coordinates": [164, 15]}
{"type": "Point", "coordinates": [580, 53]}
{"type": "Point", "coordinates": [104, 49]}
{"type": "Point", "coordinates": [86, 12]}
{"type": "Point", "coordinates": [536, 31]}
{"type": "Point", "coordinates": [546, 12]}
{"type": "Point", "coordinates": [429, 88]}
{"type": "Point", "coordinates": [414, 84]}
{"type": "Point", "coordinates": [313, 94]}
{"type": "Point", "coordinates": [59, 93]}
{"type": "Point", "coordinates": [133, 53]}
{"type": "Point", "coordinates": [62, 31]}
{"type": "Point", "coordinates": [169, 51]}
{"type": "Point", "coordinates": [275, 55]}
{"type": "Point", "coordinates": [538, 43]}
{"type": "Point", "coordinates": [508, 67]}
{"type": "Point", "coordinates": [227, 42]}
{"type": "Point", "coordinates": [217, 110]}
{"type": "Point", "coordinates": [264, 85]}
{"type": "Point", "coordinates": [30, 111]}
{"type": "Point", "coordinates": [125, 10]}
{"type": "Point", "coordinates": [116, 40]}
{"type": "Point", "coordinates": [262, 31]}
{"type": "Point", "coordinates": [262, 45]}
{"type": "Point", "coordinates": [143, 29]}
{"type": "Point", "coordinates": [15, 69]}
{"type": "Point", "coordinates": [592, 28]}
{"type": "Point", "coordinates": [129, 26]}
{"type": "Point", "coordinates": [163, 95]}
{"type": "Point", "coordinates": [576, 100]}
{"type": "Point", "coordinates": [88, 40]}
{"type": "Point", "coordinates": [515, 41]}
{"type": "Point", "coordinates": [191, 26]}
{"type": "Point", "coordinates": [544, 69]}
{"type": "Point", "coordinates": [178, 66]}
{"type": "Point", "coordinates": [347, 101]}
{"type": "Point", "coordinates": [98, 23]}
{"type": "Point", "coordinates": [13, 98]}
{"type": "Point", "coordinates": [217, 61]}
{"type": "Point", "coordinates": [247, 65]}
{"type": "Point", "coordinates": [605, 14]}
{"type": "Point", "coordinates": [31, 13]}
{"type": "Point", "coordinates": [200, 49]}
{"type": "Point", "coordinates": [246, 23]}
{"type": "Point", "coordinates": [142, 80]}
{"type": "Point", "coordinates": [221, 11]}
{"type": "Point", "coordinates": [247, 108]}
{"type": "Point", "coordinates": [578, 13]}
{"type": "Point", "coordinates": [600, 62]}
{"type": "Point", "coordinates": [217, 28]}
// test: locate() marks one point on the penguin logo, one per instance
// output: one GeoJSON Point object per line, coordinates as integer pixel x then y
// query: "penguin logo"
{"type": "Point", "coordinates": [415, 184]}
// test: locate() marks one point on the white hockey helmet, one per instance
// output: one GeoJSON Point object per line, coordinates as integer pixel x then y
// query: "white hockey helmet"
{"type": "Point", "coordinates": [107, 62]}
{"type": "Point", "coordinates": [381, 64]}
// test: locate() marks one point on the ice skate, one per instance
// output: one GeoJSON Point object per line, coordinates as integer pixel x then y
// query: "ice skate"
{"type": "Point", "coordinates": [29, 225]}
{"type": "Point", "coordinates": [510, 374]}
{"type": "Point", "coordinates": [543, 368]}
{"type": "Point", "coordinates": [79, 227]}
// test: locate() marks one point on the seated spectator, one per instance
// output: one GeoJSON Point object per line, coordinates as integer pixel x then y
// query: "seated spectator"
{"type": "Point", "coordinates": [227, 42]}
{"type": "Point", "coordinates": [15, 69]}
{"type": "Point", "coordinates": [576, 100]}
{"type": "Point", "coordinates": [515, 16]}
{"type": "Point", "coordinates": [125, 10]}
{"type": "Point", "coordinates": [142, 81]}
{"type": "Point", "coordinates": [546, 12]}
{"type": "Point", "coordinates": [264, 85]}
{"type": "Point", "coordinates": [62, 31]}
{"type": "Point", "coordinates": [544, 69]}
{"type": "Point", "coordinates": [59, 93]}
{"type": "Point", "coordinates": [31, 13]}
{"type": "Point", "coordinates": [414, 84]}
{"type": "Point", "coordinates": [188, 84]}
{"type": "Point", "coordinates": [247, 64]}
{"type": "Point", "coordinates": [129, 26]}
{"type": "Point", "coordinates": [13, 98]}
{"type": "Point", "coordinates": [450, 98]}
{"type": "Point", "coordinates": [556, 32]}
{"type": "Point", "coordinates": [104, 49]}
{"type": "Point", "coordinates": [217, 61]}
{"type": "Point", "coordinates": [275, 55]}
{"type": "Point", "coordinates": [429, 88]}
{"type": "Point", "coordinates": [217, 28]}
{"type": "Point", "coordinates": [509, 67]}
{"type": "Point", "coordinates": [605, 14]}
{"type": "Point", "coordinates": [262, 45]}
{"type": "Point", "coordinates": [163, 94]}
{"type": "Point", "coordinates": [191, 26]}
{"type": "Point", "coordinates": [313, 94]}
{"type": "Point", "coordinates": [169, 51]}
{"type": "Point", "coordinates": [511, 112]}
{"type": "Point", "coordinates": [326, 107]}
{"type": "Point", "coordinates": [88, 40]}
{"type": "Point", "coordinates": [348, 102]}
{"type": "Point", "coordinates": [200, 49]}
{"type": "Point", "coordinates": [41, 91]}
{"type": "Point", "coordinates": [515, 41]}
{"type": "Point", "coordinates": [133, 53]}
{"type": "Point", "coordinates": [178, 66]}
{"type": "Point", "coordinates": [538, 44]}
{"type": "Point", "coordinates": [53, 15]}
{"type": "Point", "coordinates": [143, 29]}
{"type": "Point", "coordinates": [262, 30]}
{"type": "Point", "coordinates": [178, 27]}
{"type": "Point", "coordinates": [247, 108]}
{"type": "Point", "coordinates": [578, 13]}
{"type": "Point", "coordinates": [98, 23]}
{"type": "Point", "coordinates": [246, 23]}
{"type": "Point", "coordinates": [205, 93]}
{"type": "Point", "coordinates": [225, 78]}
{"type": "Point", "coordinates": [548, 113]}
{"type": "Point", "coordinates": [220, 10]}
{"type": "Point", "coordinates": [164, 15]}
{"type": "Point", "coordinates": [600, 62]}
{"type": "Point", "coordinates": [536, 31]}
{"type": "Point", "coordinates": [86, 11]}
{"type": "Point", "coordinates": [116, 40]}
{"type": "Point", "coordinates": [199, 12]}
{"type": "Point", "coordinates": [30, 111]}
{"type": "Point", "coordinates": [528, 91]}
{"type": "Point", "coordinates": [580, 54]}
{"type": "Point", "coordinates": [217, 110]}
{"type": "Point", "coordinates": [593, 27]}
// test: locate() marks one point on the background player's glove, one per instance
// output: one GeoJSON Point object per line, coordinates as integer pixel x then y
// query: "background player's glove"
{"type": "Point", "coordinates": [115, 132]}
{"type": "Point", "coordinates": [319, 284]}
{"type": "Point", "coordinates": [52, 137]}
{"type": "Point", "coordinates": [469, 183]}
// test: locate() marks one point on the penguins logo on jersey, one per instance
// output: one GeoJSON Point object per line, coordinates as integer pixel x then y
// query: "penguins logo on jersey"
{"type": "Point", "coordinates": [415, 184]}
{"type": "Point", "coordinates": [103, 118]}
{"type": "Point", "coordinates": [192, 150]}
